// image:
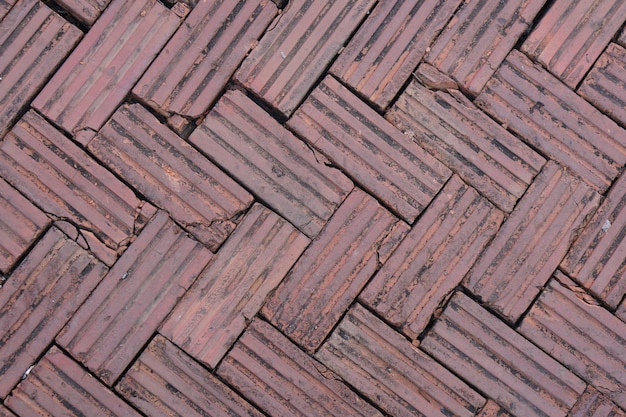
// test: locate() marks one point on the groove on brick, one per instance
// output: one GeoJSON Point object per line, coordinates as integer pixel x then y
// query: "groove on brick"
{"type": "Point", "coordinates": [621, 310]}
{"type": "Point", "coordinates": [376, 155]}
{"type": "Point", "coordinates": [58, 386]}
{"type": "Point", "coordinates": [171, 174]}
{"type": "Point", "coordinates": [284, 381]}
{"type": "Point", "coordinates": [551, 117]}
{"type": "Point", "coordinates": [388, 46]}
{"type": "Point", "coordinates": [141, 289]}
{"type": "Point", "coordinates": [165, 381]}
{"type": "Point", "coordinates": [298, 48]}
{"type": "Point", "coordinates": [493, 409]}
{"type": "Point", "coordinates": [42, 293]}
{"type": "Point", "coordinates": [480, 151]}
{"type": "Point", "coordinates": [271, 162]}
{"type": "Point", "coordinates": [532, 242]}
{"type": "Point", "coordinates": [86, 11]}
{"type": "Point", "coordinates": [386, 368]}
{"type": "Point", "coordinates": [434, 257]}
{"type": "Point", "coordinates": [34, 41]}
{"type": "Point", "coordinates": [5, 7]}
{"type": "Point", "coordinates": [65, 182]}
{"type": "Point", "coordinates": [252, 262]}
{"type": "Point", "coordinates": [594, 404]}
{"type": "Point", "coordinates": [491, 356]}
{"type": "Point", "coordinates": [4, 412]}
{"type": "Point", "coordinates": [573, 34]}
{"type": "Point", "coordinates": [103, 68]}
{"type": "Point", "coordinates": [193, 68]}
{"type": "Point", "coordinates": [479, 37]}
{"type": "Point", "coordinates": [333, 270]}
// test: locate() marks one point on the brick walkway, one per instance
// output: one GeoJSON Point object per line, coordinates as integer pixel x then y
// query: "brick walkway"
{"type": "Point", "coordinates": [313, 208]}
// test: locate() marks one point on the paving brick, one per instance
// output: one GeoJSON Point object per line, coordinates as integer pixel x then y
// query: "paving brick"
{"type": "Point", "coordinates": [573, 34]}
{"type": "Point", "coordinates": [58, 386]}
{"type": "Point", "coordinates": [479, 37]}
{"type": "Point", "coordinates": [282, 171]}
{"type": "Point", "coordinates": [87, 201]}
{"type": "Point", "coordinates": [5, 6]}
{"type": "Point", "coordinates": [333, 270]}
{"type": "Point", "coordinates": [5, 412]}
{"type": "Point", "coordinates": [434, 257]}
{"type": "Point", "coordinates": [495, 359]}
{"type": "Point", "coordinates": [594, 404]}
{"type": "Point", "coordinates": [389, 44]}
{"type": "Point", "coordinates": [386, 368]}
{"type": "Point", "coordinates": [37, 300]}
{"type": "Point", "coordinates": [252, 262]}
{"type": "Point", "coordinates": [164, 381]}
{"type": "Point", "coordinates": [585, 337]}
{"type": "Point", "coordinates": [532, 242]}
{"type": "Point", "coordinates": [621, 310]}
{"type": "Point", "coordinates": [622, 38]}
{"type": "Point", "coordinates": [87, 11]}
{"type": "Point", "coordinates": [480, 151]}
{"type": "Point", "coordinates": [492, 409]}
{"type": "Point", "coordinates": [105, 65]}
{"type": "Point", "coordinates": [283, 381]}
{"type": "Point", "coordinates": [34, 41]}
{"type": "Point", "coordinates": [20, 224]}
{"type": "Point", "coordinates": [375, 154]}
{"type": "Point", "coordinates": [298, 48]}
{"type": "Point", "coordinates": [171, 174]}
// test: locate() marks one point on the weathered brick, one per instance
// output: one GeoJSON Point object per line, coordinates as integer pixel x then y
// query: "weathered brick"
{"type": "Point", "coordinates": [5, 6]}
{"type": "Point", "coordinates": [86, 11]}
{"type": "Point", "coordinates": [5, 412]}
{"type": "Point", "coordinates": [493, 409]}
{"type": "Point", "coordinates": [594, 404]}
{"type": "Point", "coordinates": [621, 310]}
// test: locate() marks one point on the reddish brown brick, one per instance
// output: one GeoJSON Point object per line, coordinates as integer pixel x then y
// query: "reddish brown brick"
{"type": "Point", "coordinates": [298, 48]}
{"type": "Point", "coordinates": [171, 174]}
{"type": "Point", "coordinates": [594, 404]}
{"type": "Point", "coordinates": [621, 310]}
{"type": "Point", "coordinates": [573, 34]}
{"type": "Point", "coordinates": [492, 409]}
{"type": "Point", "coordinates": [383, 53]}
{"type": "Point", "coordinates": [531, 243]}
{"type": "Point", "coordinates": [376, 155]}
{"type": "Point", "coordinates": [5, 6]}
{"type": "Point", "coordinates": [283, 381]}
{"type": "Point", "coordinates": [433, 259]}
{"type": "Point", "coordinates": [282, 171]}
{"type": "Point", "coordinates": [86, 11]}
{"type": "Point", "coordinates": [38, 299]}
{"type": "Point", "coordinates": [491, 356]}
{"type": "Point", "coordinates": [5, 412]}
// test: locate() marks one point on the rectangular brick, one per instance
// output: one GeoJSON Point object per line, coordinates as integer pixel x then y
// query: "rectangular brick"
{"type": "Point", "coordinates": [495, 359]}
{"type": "Point", "coordinates": [333, 270]}
{"type": "Point", "coordinates": [377, 156]}
{"type": "Point", "coordinates": [37, 300]}
{"type": "Point", "coordinates": [573, 34]}
{"type": "Point", "coordinates": [283, 381]}
{"type": "Point", "coordinates": [86, 200]}
{"type": "Point", "coordinates": [554, 119]}
{"type": "Point", "coordinates": [171, 174]}
{"type": "Point", "coordinates": [532, 242]}
{"type": "Point", "coordinates": [87, 11]}
{"type": "Point", "coordinates": [271, 162]}
{"type": "Point", "coordinates": [594, 404]}
{"type": "Point", "coordinates": [252, 262]}
{"type": "Point", "coordinates": [298, 48]}
{"type": "Point", "coordinates": [5, 412]}
{"type": "Point", "coordinates": [164, 381]}
{"type": "Point", "coordinates": [383, 53]}
{"type": "Point", "coordinates": [385, 367]}
{"type": "Point", "coordinates": [434, 257]}
{"type": "Point", "coordinates": [5, 6]}
{"type": "Point", "coordinates": [493, 409]}
{"type": "Point", "coordinates": [481, 152]}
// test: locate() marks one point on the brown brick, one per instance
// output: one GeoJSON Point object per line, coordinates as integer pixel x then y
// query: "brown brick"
{"type": "Point", "coordinates": [333, 270]}
{"type": "Point", "coordinates": [484, 155]}
{"type": "Point", "coordinates": [37, 300]}
{"type": "Point", "coordinates": [433, 259]}
{"type": "Point", "coordinates": [479, 37]}
{"type": "Point", "coordinates": [386, 368]}
{"type": "Point", "coordinates": [621, 310]}
{"type": "Point", "coordinates": [164, 381]}
{"type": "Point", "coordinates": [89, 203]}
{"type": "Point", "coordinates": [5, 412]}
{"type": "Point", "coordinates": [594, 404]}
{"type": "Point", "coordinates": [86, 11]}
{"type": "Point", "coordinates": [385, 50]}
{"type": "Point", "coordinates": [58, 386]}
{"type": "Point", "coordinates": [493, 409]}
{"type": "Point", "coordinates": [376, 155]}
{"type": "Point", "coordinates": [573, 34]}
{"type": "Point", "coordinates": [586, 338]}
{"type": "Point", "coordinates": [34, 41]}
{"type": "Point", "coordinates": [298, 48]}
{"type": "Point", "coordinates": [103, 68]}
{"type": "Point", "coordinates": [531, 243]}
{"type": "Point", "coordinates": [171, 174]}
{"type": "Point", "coordinates": [5, 6]}
{"type": "Point", "coordinates": [282, 171]}
{"type": "Point", "coordinates": [283, 381]}
{"type": "Point", "coordinates": [491, 356]}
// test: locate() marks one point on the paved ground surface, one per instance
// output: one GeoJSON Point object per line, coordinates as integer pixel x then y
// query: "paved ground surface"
{"type": "Point", "coordinates": [315, 208]}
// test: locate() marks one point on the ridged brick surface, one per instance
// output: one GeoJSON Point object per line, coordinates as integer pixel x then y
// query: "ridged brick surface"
{"type": "Point", "coordinates": [594, 404]}
{"type": "Point", "coordinates": [5, 6]}
{"type": "Point", "coordinates": [86, 11]}
{"type": "Point", "coordinates": [492, 409]}
{"type": "Point", "coordinates": [491, 356]}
